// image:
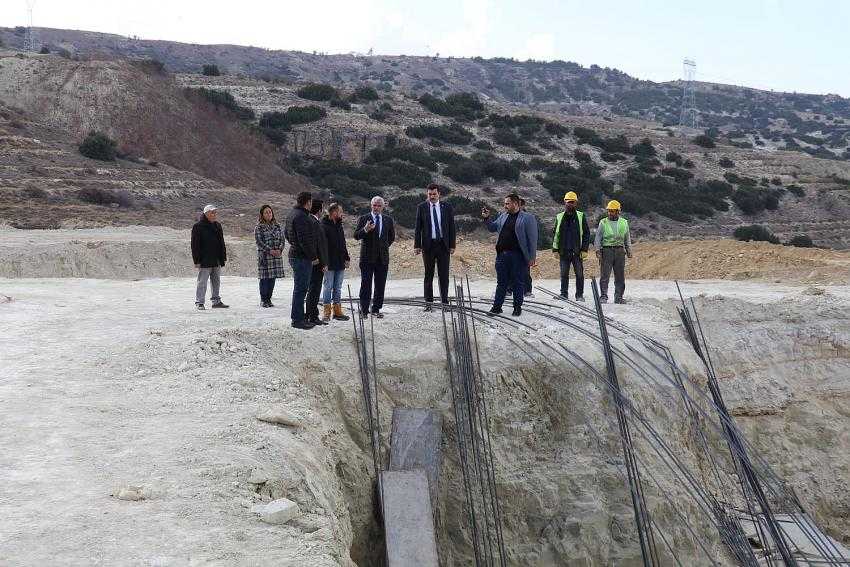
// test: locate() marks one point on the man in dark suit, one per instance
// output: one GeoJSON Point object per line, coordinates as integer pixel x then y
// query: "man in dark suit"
{"type": "Point", "coordinates": [435, 240]}
{"type": "Point", "coordinates": [376, 233]}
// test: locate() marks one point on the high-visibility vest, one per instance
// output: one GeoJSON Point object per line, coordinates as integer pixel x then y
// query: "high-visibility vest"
{"type": "Point", "coordinates": [579, 217]}
{"type": "Point", "coordinates": [611, 235]}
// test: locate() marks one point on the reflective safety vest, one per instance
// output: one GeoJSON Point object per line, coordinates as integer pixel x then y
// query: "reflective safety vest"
{"type": "Point", "coordinates": [614, 235]}
{"type": "Point", "coordinates": [556, 243]}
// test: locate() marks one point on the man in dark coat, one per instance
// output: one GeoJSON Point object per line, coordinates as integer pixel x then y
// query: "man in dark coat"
{"type": "Point", "coordinates": [311, 309]}
{"type": "Point", "coordinates": [435, 239]}
{"type": "Point", "coordinates": [209, 255]}
{"type": "Point", "coordinates": [570, 243]}
{"type": "Point", "coordinates": [338, 260]}
{"type": "Point", "coordinates": [376, 233]}
{"type": "Point", "coordinates": [303, 255]}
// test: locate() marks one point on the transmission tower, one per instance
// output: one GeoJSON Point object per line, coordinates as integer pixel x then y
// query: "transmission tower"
{"type": "Point", "coordinates": [30, 39]}
{"type": "Point", "coordinates": [689, 104]}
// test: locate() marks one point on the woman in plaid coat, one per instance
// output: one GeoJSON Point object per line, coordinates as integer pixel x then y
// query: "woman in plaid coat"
{"type": "Point", "coordinates": [269, 237]}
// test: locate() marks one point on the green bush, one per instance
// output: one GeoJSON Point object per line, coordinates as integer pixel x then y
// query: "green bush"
{"type": "Point", "coordinates": [318, 92]}
{"type": "Point", "coordinates": [339, 103]}
{"type": "Point", "coordinates": [644, 148]}
{"type": "Point", "coordinates": [336, 174]}
{"type": "Point", "coordinates": [797, 191]}
{"type": "Point", "coordinates": [44, 50]}
{"type": "Point", "coordinates": [509, 138]}
{"type": "Point", "coordinates": [801, 241]}
{"type": "Point", "coordinates": [224, 99]}
{"type": "Point", "coordinates": [403, 209]}
{"type": "Point", "coordinates": [466, 171]}
{"type": "Point", "coordinates": [99, 146]}
{"type": "Point", "coordinates": [643, 193]}
{"type": "Point", "coordinates": [412, 154]}
{"type": "Point", "coordinates": [611, 157]}
{"type": "Point", "coordinates": [752, 201]}
{"type": "Point", "coordinates": [446, 156]}
{"type": "Point", "coordinates": [294, 115]}
{"type": "Point", "coordinates": [482, 145]}
{"type": "Point", "coordinates": [496, 167]}
{"type": "Point", "coordinates": [726, 162]}
{"type": "Point", "coordinates": [705, 141]}
{"type": "Point", "coordinates": [364, 94]}
{"type": "Point", "coordinates": [674, 157]}
{"type": "Point", "coordinates": [582, 156]}
{"type": "Point", "coordinates": [467, 206]}
{"type": "Point", "coordinates": [465, 106]}
{"type": "Point", "coordinates": [755, 233]}
{"type": "Point", "coordinates": [211, 70]}
{"type": "Point", "coordinates": [680, 175]}
{"type": "Point", "coordinates": [451, 134]}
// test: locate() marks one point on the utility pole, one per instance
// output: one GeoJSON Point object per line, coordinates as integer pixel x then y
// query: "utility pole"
{"type": "Point", "coordinates": [689, 105]}
{"type": "Point", "coordinates": [30, 39]}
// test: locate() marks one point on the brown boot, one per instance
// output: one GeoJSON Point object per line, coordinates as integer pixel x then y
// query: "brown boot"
{"type": "Point", "coordinates": [326, 315]}
{"type": "Point", "coordinates": [338, 314]}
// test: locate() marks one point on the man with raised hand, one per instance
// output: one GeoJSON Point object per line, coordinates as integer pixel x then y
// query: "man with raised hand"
{"type": "Point", "coordinates": [516, 251]}
{"type": "Point", "coordinates": [435, 239]}
{"type": "Point", "coordinates": [570, 243]}
{"type": "Point", "coordinates": [376, 232]}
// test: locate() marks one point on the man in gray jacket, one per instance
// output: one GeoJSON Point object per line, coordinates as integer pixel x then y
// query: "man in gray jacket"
{"type": "Point", "coordinates": [516, 251]}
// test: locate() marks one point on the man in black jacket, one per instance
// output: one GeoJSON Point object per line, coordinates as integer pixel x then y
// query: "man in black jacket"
{"type": "Point", "coordinates": [303, 255]}
{"type": "Point", "coordinates": [376, 233]}
{"type": "Point", "coordinates": [338, 260]}
{"type": "Point", "coordinates": [570, 242]}
{"type": "Point", "coordinates": [209, 255]}
{"type": "Point", "coordinates": [311, 308]}
{"type": "Point", "coordinates": [435, 240]}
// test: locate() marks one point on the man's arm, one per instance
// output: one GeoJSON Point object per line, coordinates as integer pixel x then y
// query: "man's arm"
{"type": "Point", "coordinates": [627, 243]}
{"type": "Point", "coordinates": [597, 242]}
{"type": "Point", "coordinates": [223, 247]}
{"type": "Point", "coordinates": [417, 239]}
{"type": "Point", "coordinates": [585, 234]}
{"type": "Point", "coordinates": [196, 246]}
{"type": "Point", "coordinates": [555, 244]}
{"type": "Point", "coordinates": [303, 230]}
{"type": "Point", "coordinates": [391, 232]}
{"type": "Point", "coordinates": [531, 233]}
{"type": "Point", "coordinates": [360, 231]}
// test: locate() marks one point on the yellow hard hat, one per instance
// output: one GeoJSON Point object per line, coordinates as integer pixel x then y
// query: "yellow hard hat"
{"type": "Point", "coordinates": [613, 205]}
{"type": "Point", "coordinates": [571, 196]}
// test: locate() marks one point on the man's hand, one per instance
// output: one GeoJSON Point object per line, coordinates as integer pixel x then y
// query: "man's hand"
{"type": "Point", "coordinates": [417, 251]}
{"type": "Point", "coordinates": [324, 269]}
{"type": "Point", "coordinates": [599, 254]}
{"type": "Point", "coordinates": [198, 266]}
{"type": "Point", "coordinates": [275, 253]}
{"type": "Point", "coordinates": [370, 226]}
{"type": "Point", "coordinates": [532, 263]}
{"type": "Point", "coordinates": [556, 253]}
{"type": "Point", "coordinates": [451, 250]}
{"type": "Point", "coordinates": [347, 264]}
{"type": "Point", "coordinates": [583, 255]}
{"type": "Point", "coordinates": [315, 262]}
{"type": "Point", "coordinates": [485, 213]}
{"type": "Point", "coordinates": [628, 254]}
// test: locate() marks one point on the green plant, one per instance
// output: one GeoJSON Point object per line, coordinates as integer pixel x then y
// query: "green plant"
{"type": "Point", "coordinates": [705, 141]}
{"type": "Point", "coordinates": [224, 99]}
{"type": "Point", "coordinates": [801, 241]}
{"type": "Point", "coordinates": [403, 209]}
{"type": "Point", "coordinates": [797, 191]}
{"type": "Point", "coordinates": [755, 233]}
{"type": "Point", "coordinates": [726, 162]}
{"type": "Point", "coordinates": [364, 94]}
{"type": "Point", "coordinates": [318, 92]}
{"type": "Point", "coordinates": [211, 70]}
{"type": "Point", "coordinates": [44, 50]}
{"type": "Point", "coordinates": [413, 154]}
{"type": "Point", "coordinates": [99, 146]}
{"type": "Point", "coordinates": [451, 134]}
{"type": "Point", "coordinates": [465, 106]}
{"type": "Point", "coordinates": [340, 103]}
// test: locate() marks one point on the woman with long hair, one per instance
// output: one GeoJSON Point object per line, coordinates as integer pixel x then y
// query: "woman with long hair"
{"type": "Point", "coordinates": [269, 237]}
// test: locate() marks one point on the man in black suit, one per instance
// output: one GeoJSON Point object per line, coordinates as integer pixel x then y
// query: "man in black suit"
{"type": "Point", "coordinates": [376, 233]}
{"type": "Point", "coordinates": [435, 240]}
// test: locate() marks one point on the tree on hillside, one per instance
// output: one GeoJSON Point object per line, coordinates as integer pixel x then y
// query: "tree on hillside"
{"type": "Point", "coordinates": [211, 71]}
{"type": "Point", "coordinates": [98, 145]}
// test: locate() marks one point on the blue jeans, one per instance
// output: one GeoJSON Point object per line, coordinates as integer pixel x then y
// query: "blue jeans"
{"type": "Point", "coordinates": [266, 288]}
{"type": "Point", "coordinates": [302, 268]}
{"type": "Point", "coordinates": [511, 269]}
{"type": "Point", "coordinates": [332, 286]}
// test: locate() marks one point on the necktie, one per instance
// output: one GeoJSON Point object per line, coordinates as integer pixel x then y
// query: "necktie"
{"type": "Point", "coordinates": [436, 222]}
{"type": "Point", "coordinates": [379, 225]}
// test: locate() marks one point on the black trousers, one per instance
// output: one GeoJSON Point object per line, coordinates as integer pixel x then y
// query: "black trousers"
{"type": "Point", "coordinates": [368, 273]}
{"type": "Point", "coordinates": [311, 305]}
{"type": "Point", "coordinates": [266, 288]}
{"type": "Point", "coordinates": [572, 259]}
{"type": "Point", "coordinates": [440, 257]}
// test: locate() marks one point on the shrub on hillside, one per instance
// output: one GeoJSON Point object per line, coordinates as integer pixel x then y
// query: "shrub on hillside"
{"type": "Point", "coordinates": [450, 134]}
{"type": "Point", "coordinates": [755, 233]}
{"type": "Point", "coordinates": [403, 209]}
{"type": "Point", "coordinates": [801, 241]}
{"type": "Point", "coordinates": [318, 92]}
{"type": "Point", "coordinates": [611, 157]}
{"type": "Point", "coordinates": [340, 103]}
{"type": "Point", "coordinates": [466, 206]}
{"type": "Point", "coordinates": [104, 197]}
{"type": "Point", "coordinates": [582, 156]}
{"type": "Point", "coordinates": [797, 191]}
{"type": "Point", "coordinates": [674, 158]}
{"type": "Point", "coordinates": [680, 175]}
{"type": "Point", "coordinates": [224, 99]}
{"type": "Point", "coordinates": [413, 154]}
{"type": "Point", "coordinates": [211, 70]}
{"type": "Point", "coordinates": [44, 50]}
{"type": "Point", "coordinates": [294, 115]}
{"type": "Point", "coordinates": [465, 106]}
{"type": "Point", "coordinates": [364, 94]}
{"type": "Point", "coordinates": [726, 162]}
{"type": "Point", "coordinates": [482, 145]}
{"type": "Point", "coordinates": [150, 66]}
{"type": "Point", "coordinates": [752, 201]}
{"type": "Point", "coordinates": [466, 171]}
{"type": "Point", "coordinates": [644, 148]}
{"type": "Point", "coordinates": [98, 145]}
{"type": "Point", "coordinates": [705, 141]}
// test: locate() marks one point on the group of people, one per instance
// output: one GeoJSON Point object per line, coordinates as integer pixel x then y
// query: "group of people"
{"type": "Point", "coordinates": [318, 254]}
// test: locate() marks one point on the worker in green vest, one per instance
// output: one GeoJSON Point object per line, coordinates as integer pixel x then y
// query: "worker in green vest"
{"type": "Point", "coordinates": [570, 244]}
{"type": "Point", "coordinates": [613, 245]}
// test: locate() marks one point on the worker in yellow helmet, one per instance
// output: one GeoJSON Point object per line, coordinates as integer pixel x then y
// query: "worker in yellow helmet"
{"type": "Point", "coordinates": [613, 245]}
{"type": "Point", "coordinates": [570, 243]}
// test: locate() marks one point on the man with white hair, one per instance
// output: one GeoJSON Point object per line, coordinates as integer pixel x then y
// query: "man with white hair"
{"type": "Point", "coordinates": [209, 255]}
{"type": "Point", "coordinates": [376, 233]}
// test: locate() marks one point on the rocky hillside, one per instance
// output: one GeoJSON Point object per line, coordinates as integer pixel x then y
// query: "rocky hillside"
{"type": "Point", "coordinates": [815, 124]}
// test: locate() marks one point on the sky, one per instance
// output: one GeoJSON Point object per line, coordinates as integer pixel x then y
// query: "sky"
{"type": "Point", "coordinates": [800, 45]}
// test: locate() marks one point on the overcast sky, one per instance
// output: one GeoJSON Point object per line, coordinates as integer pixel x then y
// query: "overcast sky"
{"type": "Point", "coordinates": [790, 45]}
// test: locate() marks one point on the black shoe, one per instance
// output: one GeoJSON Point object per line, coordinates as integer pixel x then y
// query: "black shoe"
{"type": "Point", "coordinates": [603, 299]}
{"type": "Point", "coordinates": [517, 312]}
{"type": "Point", "coordinates": [270, 304]}
{"type": "Point", "coordinates": [563, 297]}
{"type": "Point", "coordinates": [364, 314]}
{"type": "Point", "coordinates": [621, 301]}
{"type": "Point", "coordinates": [317, 322]}
{"type": "Point", "coordinates": [304, 325]}
{"type": "Point", "coordinates": [265, 304]}
{"type": "Point", "coordinates": [428, 308]}
{"type": "Point", "coordinates": [580, 298]}
{"type": "Point", "coordinates": [377, 315]}
{"type": "Point", "coordinates": [495, 311]}
{"type": "Point", "coordinates": [529, 294]}
{"type": "Point", "coordinates": [200, 307]}
{"type": "Point", "coordinates": [219, 305]}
